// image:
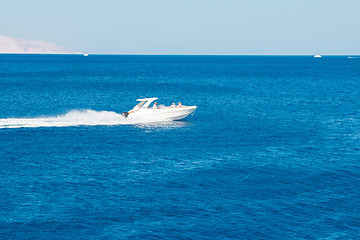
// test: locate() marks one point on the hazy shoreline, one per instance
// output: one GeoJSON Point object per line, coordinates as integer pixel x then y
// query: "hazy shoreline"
{"type": "Point", "coordinates": [145, 54]}
{"type": "Point", "coordinates": [160, 54]}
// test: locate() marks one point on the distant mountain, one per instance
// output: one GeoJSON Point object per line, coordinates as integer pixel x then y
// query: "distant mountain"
{"type": "Point", "coordinates": [13, 45]}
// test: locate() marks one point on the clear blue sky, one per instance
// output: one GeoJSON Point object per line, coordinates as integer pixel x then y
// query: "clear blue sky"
{"type": "Point", "coordinates": [188, 26]}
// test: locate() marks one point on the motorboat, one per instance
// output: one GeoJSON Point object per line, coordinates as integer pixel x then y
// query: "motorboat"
{"type": "Point", "coordinates": [158, 113]}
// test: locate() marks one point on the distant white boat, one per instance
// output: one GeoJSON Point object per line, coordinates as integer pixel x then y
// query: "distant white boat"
{"type": "Point", "coordinates": [85, 54]}
{"type": "Point", "coordinates": [317, 56]}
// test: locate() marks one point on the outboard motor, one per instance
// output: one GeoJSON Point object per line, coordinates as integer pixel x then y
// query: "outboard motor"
{"type": "Point", "coordinates": [125, 114]}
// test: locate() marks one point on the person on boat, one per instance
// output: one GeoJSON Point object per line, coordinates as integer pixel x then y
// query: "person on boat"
{"type": "Point", "coordinates": [179, 104]}
{"type": "Point", "coordinates": [155, 105]}
{"type": "Point", "coordinates": [172, 105]}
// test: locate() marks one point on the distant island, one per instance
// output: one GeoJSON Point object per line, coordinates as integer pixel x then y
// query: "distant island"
{"type": "Point", "coordinates": [13, 45]}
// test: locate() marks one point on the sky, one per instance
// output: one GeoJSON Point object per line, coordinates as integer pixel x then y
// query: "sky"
{"type": "Point", "coordinates": [188, 26]}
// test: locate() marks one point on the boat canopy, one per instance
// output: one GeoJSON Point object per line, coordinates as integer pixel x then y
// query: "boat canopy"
{"type": "Point", "coordinates": [144, 103]}
{"type": "Point", "coordinates": [146, 99]}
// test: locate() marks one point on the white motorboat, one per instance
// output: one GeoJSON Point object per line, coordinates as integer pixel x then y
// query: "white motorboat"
{"type": "Point", "coordinates": [158, 113]}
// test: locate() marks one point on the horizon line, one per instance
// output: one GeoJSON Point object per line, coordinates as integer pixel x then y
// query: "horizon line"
{"type": "Point", "coordinates": [169, 54]}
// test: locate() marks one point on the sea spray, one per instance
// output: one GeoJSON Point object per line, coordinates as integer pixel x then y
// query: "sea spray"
{"type": "Point", "coordinates": [86, 117]}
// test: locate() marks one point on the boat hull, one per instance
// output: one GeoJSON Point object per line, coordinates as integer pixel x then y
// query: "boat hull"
{"type": "Point", "coordinates": [163, 114]}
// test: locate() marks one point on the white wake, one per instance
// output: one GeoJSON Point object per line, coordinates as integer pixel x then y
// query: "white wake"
{"type": "Point", "coordinates": [72, 118]}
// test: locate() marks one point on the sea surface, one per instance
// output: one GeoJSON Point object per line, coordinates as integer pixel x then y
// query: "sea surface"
{"type": "Point", "coordinates": [272, 152]}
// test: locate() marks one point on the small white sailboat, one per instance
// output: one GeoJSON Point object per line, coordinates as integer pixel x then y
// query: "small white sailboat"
{"type": "Point", "coordinates": [158, 113]}
{"type": "Point", "coordinates": [317, 56]}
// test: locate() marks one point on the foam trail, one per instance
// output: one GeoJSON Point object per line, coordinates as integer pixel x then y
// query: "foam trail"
{"type": "Point", "coordinates": [72, 118]}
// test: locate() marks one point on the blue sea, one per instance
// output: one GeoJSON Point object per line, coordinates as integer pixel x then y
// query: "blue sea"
{"type": "Point", "coordinates": [272, 151]}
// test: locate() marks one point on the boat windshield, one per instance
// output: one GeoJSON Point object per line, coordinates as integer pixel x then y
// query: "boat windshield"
{"type": "Point", "coordinates": [141, 104]}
